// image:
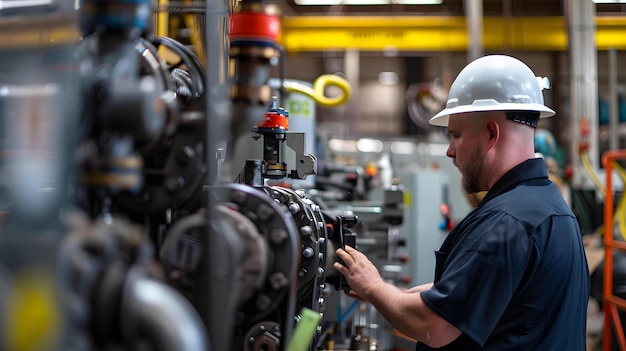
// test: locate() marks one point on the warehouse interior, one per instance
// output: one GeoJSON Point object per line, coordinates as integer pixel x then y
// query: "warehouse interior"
{"type": "Point", "coordinates": [177, 174]}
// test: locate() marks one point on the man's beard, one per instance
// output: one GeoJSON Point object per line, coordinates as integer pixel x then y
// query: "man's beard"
{"type": "Point", "coordinates": [472, 170]}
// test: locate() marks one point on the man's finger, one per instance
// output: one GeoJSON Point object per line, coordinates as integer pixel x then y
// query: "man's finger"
{"type": "Point", "coordinates": [344, 255]}
{"type": "Point", "coordinates": [349, 248]}
{"type": "Point", "coordinates": [341, 268]}
{"type": "Point", "coordinates": [352, 251]}
{"type": "Point", "coordinates": [353, 294]}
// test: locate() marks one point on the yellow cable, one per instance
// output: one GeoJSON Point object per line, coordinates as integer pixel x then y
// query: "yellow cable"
{"type": "Point", "coordinates": [620, 211]}
{"type": "Point", "coordinates": [317, 93]}
{"type": "Point", "coordinates": [592, 174]}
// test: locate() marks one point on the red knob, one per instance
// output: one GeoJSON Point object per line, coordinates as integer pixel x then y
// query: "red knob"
{"type": "Point", "coordinates": [403, 258]}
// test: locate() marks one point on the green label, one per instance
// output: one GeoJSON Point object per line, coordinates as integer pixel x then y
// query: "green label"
{"type": "Point", "coordinates": [300, 108]}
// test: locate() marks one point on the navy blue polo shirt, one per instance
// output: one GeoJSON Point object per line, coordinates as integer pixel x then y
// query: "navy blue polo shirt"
{"type": "Point", "coordinates": [513, 274]}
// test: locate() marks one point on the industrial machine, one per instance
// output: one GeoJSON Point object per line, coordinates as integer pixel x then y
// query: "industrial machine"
{"type": "Point", "coordinates": [135, 240]}
{"type": "Point", "coordinates": [131, 216]}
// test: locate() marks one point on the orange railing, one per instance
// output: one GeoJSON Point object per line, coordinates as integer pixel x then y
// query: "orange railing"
{"type": "Point", "coordinates": [612, 303]}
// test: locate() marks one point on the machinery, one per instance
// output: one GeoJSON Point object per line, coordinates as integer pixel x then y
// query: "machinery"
{"type": "Point", "coordinates": [118, 183]}
{"type": "Point", "coordinates": [138, 243]}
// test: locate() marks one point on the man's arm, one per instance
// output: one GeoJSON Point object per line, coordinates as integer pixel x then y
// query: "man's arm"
{"type": "Point", "coordinates": [403, 309]}
{"type": "Point", "coordinates": [419, 288]}
{"type": "Point", "coordinates": [412, 290]}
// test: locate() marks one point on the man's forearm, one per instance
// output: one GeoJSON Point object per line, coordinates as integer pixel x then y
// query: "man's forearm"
{"type": "Point", "coordinates": [419, 288]}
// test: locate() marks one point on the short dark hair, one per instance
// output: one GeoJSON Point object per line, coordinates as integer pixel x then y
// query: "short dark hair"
{"type": "Point", "coordinates": [530, 118]}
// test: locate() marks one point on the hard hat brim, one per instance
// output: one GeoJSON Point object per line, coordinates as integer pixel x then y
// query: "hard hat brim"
{"type": "Point", "coordinates": [441, 118]}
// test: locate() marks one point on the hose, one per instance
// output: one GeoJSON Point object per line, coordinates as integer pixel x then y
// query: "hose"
{"type": "Point", "coordinates": [165, 316]}
{"type": "Point", "coordinates": [620, 210]}
{"type": "Point", "coordinates": [319, 85]}
{"type": "Point", "coordinates": [592, 174]}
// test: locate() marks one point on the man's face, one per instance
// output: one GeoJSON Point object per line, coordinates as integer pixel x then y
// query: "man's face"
{"type": "Point", "coordinates": [465, 150]}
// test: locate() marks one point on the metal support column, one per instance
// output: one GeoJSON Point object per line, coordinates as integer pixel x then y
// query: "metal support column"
{"type": "Point", "coordinates": [583, 81]}
{"type": "Point", "coordinates": [474, 13]}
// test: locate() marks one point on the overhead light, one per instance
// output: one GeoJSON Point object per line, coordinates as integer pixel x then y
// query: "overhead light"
{"type": "Point", "coordinates": [403, 147]}
{"type": "Point", "coordinates": [367, 2]}
{"type": "Point", "coordinates": [343, 145]}
{"type": "Point", "coordinates": [390, 51]}
{"type": "Point", "coordinates": [610, 1]}
{"type": "Point", "coordinates": [388, 78]}
{"type": "Point", "coordinates": [369, 145]}
{"type": "Point", "coordinates": [23, 4]}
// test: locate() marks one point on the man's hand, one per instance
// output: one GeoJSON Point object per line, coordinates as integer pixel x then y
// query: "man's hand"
{"type": "Point", "coordinates": [361, 274]}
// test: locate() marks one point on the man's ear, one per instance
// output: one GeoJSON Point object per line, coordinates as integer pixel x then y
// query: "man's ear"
{"type": "Point", "coordinates": [492, 130]}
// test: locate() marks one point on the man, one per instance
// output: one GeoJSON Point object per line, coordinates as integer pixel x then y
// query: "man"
{"type": "Point", "coordinates": [513, 274]}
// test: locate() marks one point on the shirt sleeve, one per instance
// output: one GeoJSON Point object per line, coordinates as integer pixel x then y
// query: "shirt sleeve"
{"type": "Point", "coordinates": [480, 274]}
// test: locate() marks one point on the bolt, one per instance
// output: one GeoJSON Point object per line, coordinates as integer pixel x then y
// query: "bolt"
{"type": "Point", "coordinates": [294, 208]}
{"type": "Point", "coordinates": [306, 230]}
{"type": "Point", "coordinates": [264, 212]}
{"type": "Point", "coordinates": [278, 280]}
{"type": "Point", "coordinates": [320, 272]}
{"type": "Point", "coordinates": [321, 256]}
{"type": "Point", "coordinates": [263, 302]}
{"type": "Point", "coordinates": [185, 154]}
{"type": "Point", "coordinates": [239, 196]}
{"type": "Point", "coordinates": [173, 183]}
{"type": "Point", "coordinates": [308, 252]}
{"type": "Point", "coordinates": [278, 236]}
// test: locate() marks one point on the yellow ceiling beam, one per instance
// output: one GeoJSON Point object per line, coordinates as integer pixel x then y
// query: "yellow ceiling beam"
{"type": "Point", "coordinates": [439, 33]}
{"type": "Point", "coordinates": [19, 33]}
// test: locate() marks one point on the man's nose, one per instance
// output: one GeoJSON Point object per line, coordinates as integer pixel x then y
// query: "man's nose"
{"type": "Point", "coordinates": [450, 152]}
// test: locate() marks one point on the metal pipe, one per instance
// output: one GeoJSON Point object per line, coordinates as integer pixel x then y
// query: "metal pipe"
{"type": "Point", "coordinates": [162, 19]}
{"type": "Point", "coordinates": [583, 81]}
{"type": "Point", "coordinates": [352, 61]}
{"type": "Point", "coordinates": [218, 109]}
{"type": "Point", "coordinates": [613, 101]}
{"type": "Point", "coordinates": [218, 106]}
{"type": "Point", "coordinates": [162, 314]}
{"type": "Point", "coordinates": [474, 14]}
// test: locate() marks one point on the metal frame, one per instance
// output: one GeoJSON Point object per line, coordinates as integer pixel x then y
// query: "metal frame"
{"type": "Point", "coordinates": [612, 303]}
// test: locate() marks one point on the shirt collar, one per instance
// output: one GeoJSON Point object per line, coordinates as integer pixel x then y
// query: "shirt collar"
{"type": "Point", "coordinates": [534, 168]}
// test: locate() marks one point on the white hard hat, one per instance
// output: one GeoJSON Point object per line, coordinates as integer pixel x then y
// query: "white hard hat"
{"type": "Point", "coordinates": [494, 83]}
